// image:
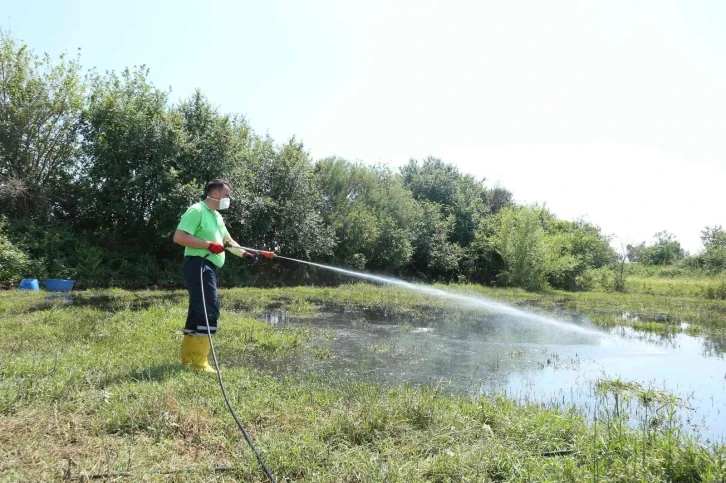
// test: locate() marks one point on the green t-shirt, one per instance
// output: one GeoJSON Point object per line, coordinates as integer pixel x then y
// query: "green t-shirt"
{"type": "Point", "coordinates": [206, 224]}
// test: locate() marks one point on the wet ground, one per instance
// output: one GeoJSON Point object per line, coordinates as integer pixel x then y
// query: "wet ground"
{"type": "Point", "coordinates": [489, 354]}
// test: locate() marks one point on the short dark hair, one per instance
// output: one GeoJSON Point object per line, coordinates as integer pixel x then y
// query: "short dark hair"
{"type": "Point", "coordinates": [216, 184]}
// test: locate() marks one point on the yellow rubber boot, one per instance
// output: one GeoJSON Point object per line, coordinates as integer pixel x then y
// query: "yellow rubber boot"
{"type": "Point", "coordinates": [186, 350]}
{"type": "Point", "coordinates": [194, 352]}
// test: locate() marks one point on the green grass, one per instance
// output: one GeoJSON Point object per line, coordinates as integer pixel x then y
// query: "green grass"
{"type": "Point", "coordinates": [633, 390]}
{"type": "Point", "coordinates": [95, 387]}
{"type": "Point", "coordinates": [673, 280]}
{"type": "Point", "coordinates": [708, 288]}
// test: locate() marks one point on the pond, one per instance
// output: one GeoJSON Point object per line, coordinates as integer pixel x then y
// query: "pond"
{"type": "Point", "coordinates": [526, 360]}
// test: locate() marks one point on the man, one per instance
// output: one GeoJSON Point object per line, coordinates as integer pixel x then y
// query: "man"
{"type": "Point", "coordinates": [203, 234]}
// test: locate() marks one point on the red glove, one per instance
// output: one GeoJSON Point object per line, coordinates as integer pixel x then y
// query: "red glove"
{"type": "Point", "coordinates": [215, 247]}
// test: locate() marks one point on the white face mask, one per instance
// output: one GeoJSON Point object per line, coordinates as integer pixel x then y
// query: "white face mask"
{"type": "Point", "coordinates": [223, 203]}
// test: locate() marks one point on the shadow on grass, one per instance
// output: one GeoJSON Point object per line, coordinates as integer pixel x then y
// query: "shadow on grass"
{"type": "Point", "coordinates": [151, 374]}
{"type": "Point", "coordinates": [112, 303]}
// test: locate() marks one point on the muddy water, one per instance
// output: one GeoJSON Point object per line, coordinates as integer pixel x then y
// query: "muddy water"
{"type": "Point", "coordinates": [489, 354]}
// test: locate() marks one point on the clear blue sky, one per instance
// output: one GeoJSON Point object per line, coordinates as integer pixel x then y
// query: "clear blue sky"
{"type": "Point", "coordinates": [613, 111]}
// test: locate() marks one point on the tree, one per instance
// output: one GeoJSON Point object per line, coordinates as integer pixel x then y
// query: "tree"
{"type": "Point", "coordinates": [520, 241]}
{"type": "Point", "coordinates": [434, 255]}
{"type": "Point", "coordinates": [460, 195]}
{"type": "Point", "coordinates": [482, 261]}
{"type": "Point", "coordinates": [498, 198]}
{"type": "Point", "coordinates": [573, 247]}
{"type": "Point", "coordinates": [97, 170]}
{"type": "Point", "coordinates": [714, 244]}
{"type": "Point", "coordinates": [371, 213]}
{"type": "Point", "coordinates": [636, 253]}
{"type": "Point", "coordinates": [133, 149]}
{"type": "Point", "coordinates": [214, 143]}
{"type": "Point", "coordinates": [14, 263]}
{"type": "Point", "coordinates": [283, 203]}
{"type": "Point", "coordinates": [665, 251]}
{"type": "Point", "coordinates": [433, 181]}
{"type": "Point", "coordinates": [40, 105]}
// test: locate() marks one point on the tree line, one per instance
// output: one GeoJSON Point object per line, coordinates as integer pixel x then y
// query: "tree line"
{"type": "Point", "coordinates": [96, 169]}
{"type": "Point", "coordinates": [667, 250]}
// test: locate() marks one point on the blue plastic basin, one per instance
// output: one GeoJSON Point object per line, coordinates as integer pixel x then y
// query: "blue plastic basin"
{"type": "Point", "coordinates": [29, 284]}
{"type": "Point", "coordinates": [59, 285]}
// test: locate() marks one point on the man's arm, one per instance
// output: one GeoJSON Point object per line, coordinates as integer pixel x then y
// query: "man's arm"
{"type": "Point", "coordinates": [186, 240]}
{"type": "Point", "coordinates": [229, 241]}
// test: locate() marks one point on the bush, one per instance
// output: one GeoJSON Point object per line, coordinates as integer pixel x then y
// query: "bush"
{"type": "Point", "coordinates": [586, 281]}
{"type": "Point", "coordinates": [692, 262]}
{"type": "Point", "coordinates": [606, 278]}
{"type": "Point", "coordinates": [14, 263]}
{"type": "Point", "coordinates": [57, 252]}
{"type": "Point", "coordinates": [562, 272]}
{"type": "Point", "coordinates": [520, 240]}
{"type": "Point", "coordinates": [714, 254]}
{"type": "Point", "coordinates": [718, 290]}
{"type": "Point", "coordinates": [714, 259]}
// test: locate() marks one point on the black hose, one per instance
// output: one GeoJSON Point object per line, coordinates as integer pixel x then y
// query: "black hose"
{"type": "Point", "coordinates": [221, 383]}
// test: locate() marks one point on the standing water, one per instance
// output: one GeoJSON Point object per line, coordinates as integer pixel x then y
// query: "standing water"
{"type": "Point", "coordinates": [498, 349]}
{"type": "Point", "coordinates": [486, 354]}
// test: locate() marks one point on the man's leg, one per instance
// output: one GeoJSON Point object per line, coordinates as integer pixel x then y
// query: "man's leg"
{"type": "Point", "coordinates": [199, 275]}
{"type": "Point", "coordinates": [211, 300]}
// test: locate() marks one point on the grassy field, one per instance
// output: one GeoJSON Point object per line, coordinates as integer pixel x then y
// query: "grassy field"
{"type": "Point", "coordinates": [675, 281]}
{"type": "Point", "coordinates": [96, 387]}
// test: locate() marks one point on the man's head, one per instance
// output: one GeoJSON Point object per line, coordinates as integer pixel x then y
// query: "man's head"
{"type": "Point", "coordinates": [216, 191]}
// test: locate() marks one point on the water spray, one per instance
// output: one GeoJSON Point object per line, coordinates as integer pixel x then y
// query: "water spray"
{"type": "Point", "coordinates": [472, 301]}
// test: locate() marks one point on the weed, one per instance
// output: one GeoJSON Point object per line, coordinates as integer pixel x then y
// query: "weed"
{"type": "Point", "coordinates": [96, 386]}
